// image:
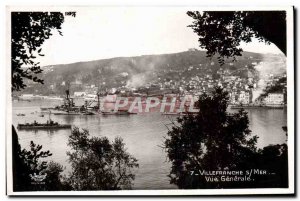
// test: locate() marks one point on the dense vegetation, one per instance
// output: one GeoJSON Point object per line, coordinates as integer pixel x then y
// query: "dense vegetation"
{"type": "Point", "coordinates": [222, 32]}
{"type": "Point", "coordinates": [29, 30]}
{"type": "Point", "coordinates": [97, 164]}
{"type": "Point", "coordinates": [215, 140]}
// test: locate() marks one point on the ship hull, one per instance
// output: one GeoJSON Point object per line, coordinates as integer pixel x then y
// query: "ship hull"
{"type": "Point", "coordinates": [25, 127]}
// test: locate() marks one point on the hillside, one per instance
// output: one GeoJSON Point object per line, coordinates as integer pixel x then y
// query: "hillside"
{"type": "Point", "coordinates": [141, 70]}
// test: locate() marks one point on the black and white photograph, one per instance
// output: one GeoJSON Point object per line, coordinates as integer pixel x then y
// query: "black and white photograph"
{"type": "Point", "coordinates": [116, 100]}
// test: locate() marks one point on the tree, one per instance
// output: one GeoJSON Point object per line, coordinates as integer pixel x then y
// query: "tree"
{"type": "Point", "coordinates": [274, 159]}
{"type": "Point", "coordinates": [215, 140]}
{"type": "Point", "coordinates": [27, 163]}
{"type": "Point", "coordinates": [54, 180]}
{"type": "Point", "coordinates": [212, 140]}
{"type": "Point", "coordinates": [29, 30]}
{"type": "Point", "coordinates": [221, 32]}
{"type": "Point", "coordinates": [98, 164]}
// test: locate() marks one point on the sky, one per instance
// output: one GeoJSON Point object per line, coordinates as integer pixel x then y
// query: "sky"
{"type": "Point", "coordinates": [106, 32]}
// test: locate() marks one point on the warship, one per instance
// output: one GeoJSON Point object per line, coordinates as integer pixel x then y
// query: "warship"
{"type": "Point", "coordinates": [48, 125]}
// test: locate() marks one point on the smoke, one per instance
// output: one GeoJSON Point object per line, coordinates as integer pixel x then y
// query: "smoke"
{"type": "Point", "coordinates": [147, 71]}
{"type": "Point", "coordinates": [270, 65]}
{"type": "Point", "coordinates": [136, 81]}
{"type": "Point", "coordinates": [261, 84]}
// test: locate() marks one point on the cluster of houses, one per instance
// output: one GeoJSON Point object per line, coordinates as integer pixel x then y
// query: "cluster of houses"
{"type": "Point", "coordinates": [240, 90]}
{"type": "Point", "coordinates": [246, 97]}
{"type": "Point", "coordinates": [274, 99]}
{"type": "Point", "coordinates": [195, 80]}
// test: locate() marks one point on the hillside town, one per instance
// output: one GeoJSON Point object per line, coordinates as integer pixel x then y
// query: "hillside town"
{"type": "Point", "coordinates": [179, 74]}
{"type": "Point", "coordinates": [243, 90]}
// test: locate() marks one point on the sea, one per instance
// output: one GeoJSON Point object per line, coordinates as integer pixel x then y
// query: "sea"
{"type": "Point", "coordinates": [142, 133]}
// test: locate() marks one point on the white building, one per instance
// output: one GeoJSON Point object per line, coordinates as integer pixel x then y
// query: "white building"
{"type": "Point", "coordinates": [91, 97]}
{"type": "Point", "coordinates": [232, 98]}
{"type": "Point", "coordinates": [244, 97]}
{"type": "Point", "coordinates": [79, 94]}
{"type": "Point", "coordinates": [274, 99]}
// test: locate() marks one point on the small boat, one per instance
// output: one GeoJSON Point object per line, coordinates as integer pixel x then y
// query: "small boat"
{"type": "Point", "coordinates": [119, 112]}
{"type": "Point", "coordinates": [47, 108]}
{"type": "Point", "coordinates": [132, 112]}
{"type": "Point", "coordinates": [20, 114]}
{"type": "Point", "coordinates": [89, 113]}
{"type": "Point", "coordinates": [26, 100]}
{"type": "Point", "coordinates": [48, 125]}
{"type": "Point", "coordinates": [170, 113]}
{"type": "Point", "coordinates": [108, 112]}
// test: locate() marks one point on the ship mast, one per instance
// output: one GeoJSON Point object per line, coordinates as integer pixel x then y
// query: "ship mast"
{"type": "Point", "coordinates": [49, 116]}
{"type": "Point", "coordinates": [100, 79]}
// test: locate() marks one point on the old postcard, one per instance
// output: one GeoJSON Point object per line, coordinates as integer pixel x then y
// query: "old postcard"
{"type": "Point", "coordinates": [150, 100]}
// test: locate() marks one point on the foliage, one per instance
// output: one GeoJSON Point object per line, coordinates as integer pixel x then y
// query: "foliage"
{"type": "Point", "coordinates": [98, 164]}
{"type": "Point", "coordinates": [21, 171]}
{"type": "Point", "coordinates": [30, 162]}
{"type": "Point", "coordinates": [55, 181]}
{"type": "Point", "coordinates": [32, 157]}
{"type": "Point", "coordinates": [29, 30]}
{"type": "Point", "coordinates": [273, 158]}
{"type": "Point", "coordinates": [223, 31]}
{"type": "Point", "coordinates": [216, 140]}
